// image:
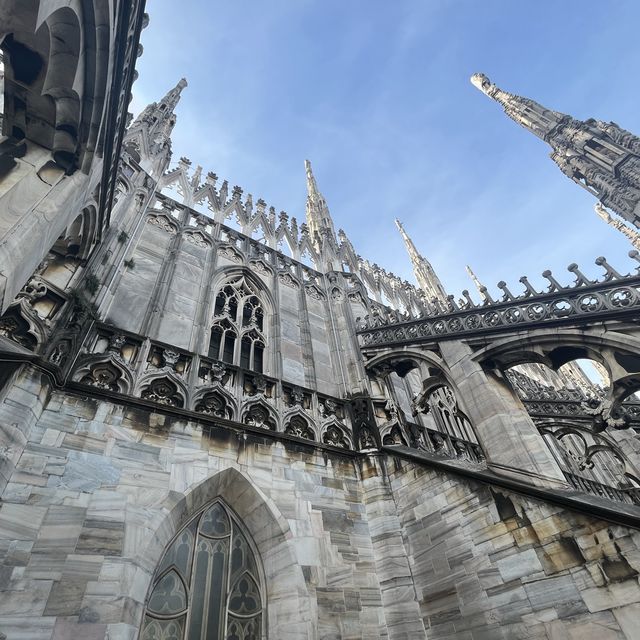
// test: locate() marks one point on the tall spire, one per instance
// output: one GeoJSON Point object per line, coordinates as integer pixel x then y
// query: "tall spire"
{"type": "Point", "coordinates": [600, 156]}
{"type": "Point", "coordinates": [426, 277]}
{"type": "Point", "coordinates": [632, 234]}
{"type": "Point", "coordinates": [151, 131]}
{"type": "Point", "coordinates": [527, 113]}
{"type": "Point", "coordinates": [482, 290]}
{"type": "Point", "coordinates": [318, 216]}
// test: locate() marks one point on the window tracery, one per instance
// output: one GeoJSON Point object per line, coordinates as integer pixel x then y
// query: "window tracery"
{"type": "Point", "coordinates": [237, 334]}
{"type": "Point", "coordinates": [207, 584]}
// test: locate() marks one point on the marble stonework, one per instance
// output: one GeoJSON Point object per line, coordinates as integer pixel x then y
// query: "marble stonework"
{"type": "Point", "coordinates": [347, 551]}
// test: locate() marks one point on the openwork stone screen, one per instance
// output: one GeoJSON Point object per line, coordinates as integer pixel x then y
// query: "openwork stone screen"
{"type": "Point", "coordinates": [207, 585]}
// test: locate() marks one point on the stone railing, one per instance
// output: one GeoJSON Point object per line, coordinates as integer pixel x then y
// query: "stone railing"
{"type": "Point", "coordinates": [584, 301]}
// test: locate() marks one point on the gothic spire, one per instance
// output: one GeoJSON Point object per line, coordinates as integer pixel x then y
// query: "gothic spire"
{"type": "Point", "coordinates": [482, 290]}
{"type": "Point", "coordinates": [527, 113]}
{"type": "Point", "coordinates": [426, 277]}
{"type": "Point", "coordinates": [599, 156]}
{"type": "Point", "coordinates": [160, 116]}
{"type": "Point", "coordinates": [151, 131]}
{"type": "Point", "coordinates": [318, 216]}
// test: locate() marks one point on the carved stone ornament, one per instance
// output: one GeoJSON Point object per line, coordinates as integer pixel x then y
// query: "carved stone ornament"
{"type": "Point", "coordinates": [170, 358]}
{"type": "Point", "coordinates": [334, 437]}
{"type": "Point", "coordinates": [298, 427]}
{"type": "Point", "coordinates": [103, 376]}
{"type": "Point", "coordinates": [288, 280]}
{"type": "Point", "coordinates": [328, 407]}
{"type": "Point", "coordinates": [116, 342]}
{"type": "Point", "coordinates": [217, 371]}
{"type": "Point", "coordinates": [296, 395]}
{"type": "Point", "coordinates": [213, 404]}
{"type": "Point", "coordinates": [366, 440]}
{"type": "Point", "coordinates": [59, 354]}
{"type": "Point", "coordinates": [260, 267]}
{"type": "Point", "coordinates": [314, 292]}
{"type": "Point", "coordinates": [259, 416]}
{"type": "Point", "coordinates": [163, 391]}
{"type": "Point", "coordinates": [197, 239]}
{"type": "Point", "coordinates": [394, 437]}
{"type": "Point", "coordinates": [163, 223]}
{"type": "Point", "coordinates": [33, 290]}
{"type": "Point", "coordinates": [230, 254]}
{"type": "Point", "coordinates": [17, 330]}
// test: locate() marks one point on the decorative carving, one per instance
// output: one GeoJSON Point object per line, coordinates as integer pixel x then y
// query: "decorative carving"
{"type": "Point", "coordinates": [287, 279]}
{"type": "Point", "coordinates": [229, 253]}
{"type": "Point", "coordinates": [14, 327]}
{"type": "Point", "coordinates": [196, 239]}
{"type": "Point", "coordinates": [59, 354]}
{"type": "Point", "coordinates": [104, 376]}
{"type": "Point", "coordinates": [162, 223]}
{"type": "Point", "coordinates": [214, 404]}
{"type": "Point", "coordinates": [314, 292]}
{"type": "Point", "coordinates": [299, 427]}
{"type": "Point", "coordinates": [217, 371]}
{"type": "Point", "coordinates": [163, 391]}
{"type": "Point", "coordinates": [33, 290]}
{"type": "Point", "coordinates": [116, 342]}
{"type": "Point", "coordinates": [394, 437]}
{"type": "Point", "coordinates": [259, 416]}
{"type": "Point", "coordinates": [170, 358]}
{"type": "Point", "coordinates": [335, 437]}
{"type": "Point", "coordinates": [366, 439]}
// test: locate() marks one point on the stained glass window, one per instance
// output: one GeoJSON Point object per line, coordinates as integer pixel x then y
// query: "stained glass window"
{"type": "Point", "coordinates": [207, 584]}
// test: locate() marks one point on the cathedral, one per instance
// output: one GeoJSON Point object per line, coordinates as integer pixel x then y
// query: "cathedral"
{"type": "Point", "coordinates": [218, 422]}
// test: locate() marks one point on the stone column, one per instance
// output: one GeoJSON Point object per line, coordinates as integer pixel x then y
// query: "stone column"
{"type": "Point", "coordinates": [510, 439]}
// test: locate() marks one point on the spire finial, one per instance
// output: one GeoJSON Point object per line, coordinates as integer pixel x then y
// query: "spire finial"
{"type": "Point", "coordinates": [318, 217]}
{"type": "Point", "coordinates": [526, 112]}
{"type": "Point", "coordinates": [425, 275]}
{"type": "Point", "coordinates": [482, 290]}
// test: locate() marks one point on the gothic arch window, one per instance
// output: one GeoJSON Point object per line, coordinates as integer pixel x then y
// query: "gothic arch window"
{"type": "Point", "coordinates": [238, 330]}
{"type": "Point", "coordinates": [208, 584]}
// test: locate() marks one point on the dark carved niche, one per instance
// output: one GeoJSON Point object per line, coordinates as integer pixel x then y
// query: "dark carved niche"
{"type": "Point", "coordinates": [300, 428]}
{"type": "Point", "coordinates": [214, 404]}
{"type": "Point", "coordinates": [163, 391]}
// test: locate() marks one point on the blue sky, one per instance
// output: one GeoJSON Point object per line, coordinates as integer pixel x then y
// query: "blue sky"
{"type": "Point", "coordinates": [377, 95]}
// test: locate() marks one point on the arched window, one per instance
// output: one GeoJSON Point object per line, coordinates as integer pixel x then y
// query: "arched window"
{"type": "Point", "coordinates": [208, 583]}
{"type": "Point", "coordinates": [237, 334]}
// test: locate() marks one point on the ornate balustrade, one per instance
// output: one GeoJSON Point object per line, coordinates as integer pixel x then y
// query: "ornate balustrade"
{"type": "Point", "coordinates": [585, 301]}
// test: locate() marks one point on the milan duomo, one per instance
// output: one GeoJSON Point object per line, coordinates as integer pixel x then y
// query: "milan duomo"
{"type": "Point", "coordinates": [218, 422]}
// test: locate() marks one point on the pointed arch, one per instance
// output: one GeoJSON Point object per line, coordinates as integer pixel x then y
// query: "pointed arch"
{"type": "Point", "coordinates": [104, 371]}
{"type": "Point", "coordinates": [259, 413]}
{"type": "Point", "coordinates": [215, 401]}
{"type": "Point", "coordinates": [286, 592]}
{"type": "Point", "coordinates": [241, 319]}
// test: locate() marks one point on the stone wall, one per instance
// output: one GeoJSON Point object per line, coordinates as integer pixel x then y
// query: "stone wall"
{"type": "Point", "coordinates": [100, 489]}
{"type": "Point", "coordinates": [490, 564]}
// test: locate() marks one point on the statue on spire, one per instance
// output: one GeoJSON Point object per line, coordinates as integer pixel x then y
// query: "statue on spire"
{"type": "Point", "coordinates": [425, 275]}
{"type": "Point", "coordinates": [601, 157]}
